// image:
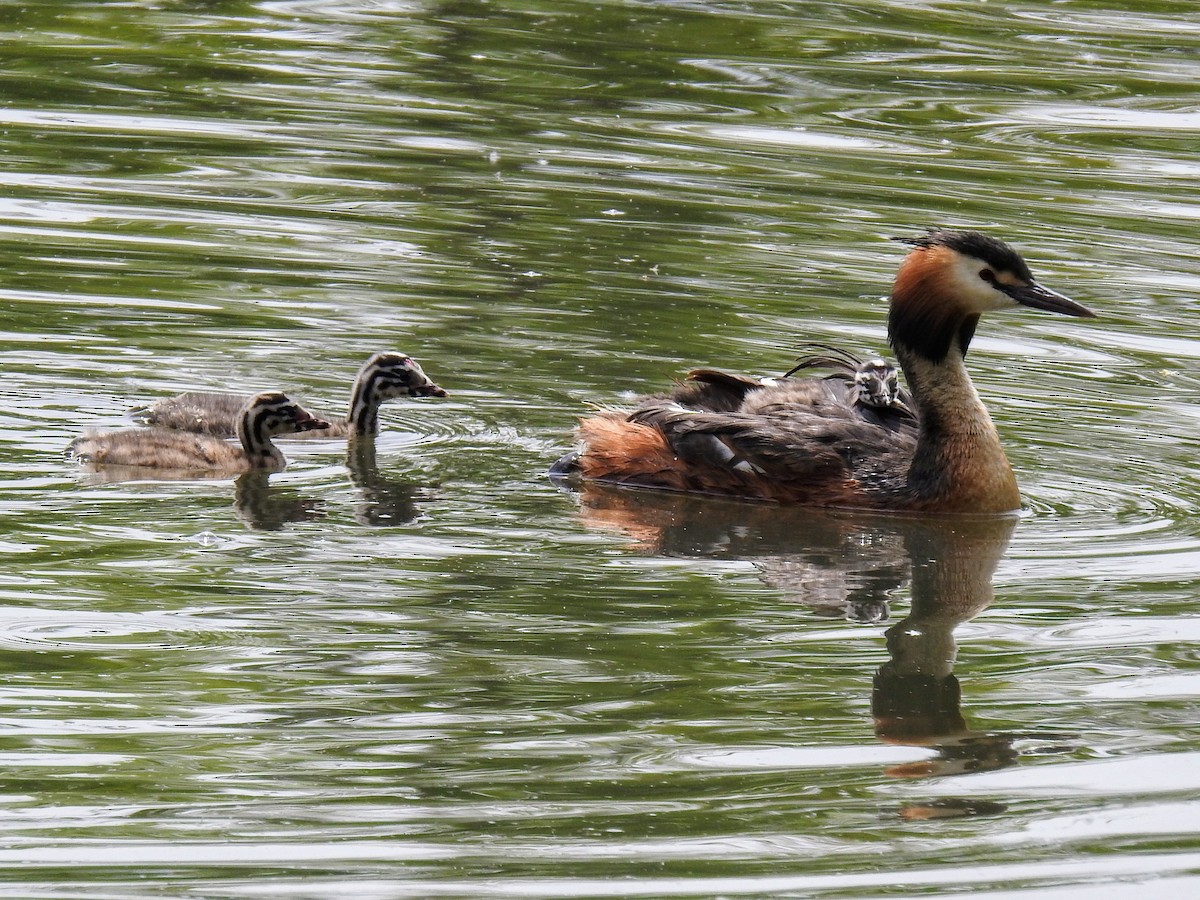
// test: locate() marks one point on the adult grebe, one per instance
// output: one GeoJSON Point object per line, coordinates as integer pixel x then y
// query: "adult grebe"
{"type": "Point", "coordinates": [798, 441]}
{"type": "Point", "coordinates": [383, 376]}
{"type": "Point", "coordinates": [264, 416]}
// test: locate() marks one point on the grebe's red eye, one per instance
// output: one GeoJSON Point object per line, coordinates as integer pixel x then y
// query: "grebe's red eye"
{"type": "Point", "coordinates": [988, 275]}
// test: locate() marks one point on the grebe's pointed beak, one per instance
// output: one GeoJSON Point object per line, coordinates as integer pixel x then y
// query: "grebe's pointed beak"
{"type": "Point", "coordinates": [1036, 296]}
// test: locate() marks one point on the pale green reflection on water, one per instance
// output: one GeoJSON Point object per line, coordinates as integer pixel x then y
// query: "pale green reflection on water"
{"type": "Point", "coordinates": [431, 673]}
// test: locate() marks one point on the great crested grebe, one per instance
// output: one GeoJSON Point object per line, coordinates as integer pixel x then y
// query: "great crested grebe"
{"type": "Point", "coordinates": [384, 376]}
{"type": "Point", "coordinates": [799, 441]}
{"type": "Point", "coordinates": [264, 416]}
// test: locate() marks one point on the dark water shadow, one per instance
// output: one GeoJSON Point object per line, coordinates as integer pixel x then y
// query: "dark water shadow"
{"type": "Point", "coordinates": [265, 507]}
{"type": "Point", "coordinates": [853, 565]}
{"type": "Point", "coordinates": [383, 500]}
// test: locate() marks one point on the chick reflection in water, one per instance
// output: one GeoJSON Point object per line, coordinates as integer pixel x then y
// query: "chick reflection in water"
{"type": "Point", "coordinates": [263, 506]}
{"type": "Point", "coordinates": [383, 500]}
{"type": "Point", "coordinates": [853, 564]}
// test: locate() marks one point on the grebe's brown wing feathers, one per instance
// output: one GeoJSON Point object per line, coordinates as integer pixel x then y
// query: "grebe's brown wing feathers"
{"type": "Point", "coordinates": [898, 417]}
{"type": "Point", "coordinates": [727, 380]}
{"type": "Point", "coordinates": [842, 362]}
{"type": "Point", "coordinates": [711, 390]}
{"type": "Point", "coordinates": [714, 390]}
{"type": "Point", "coordinates": [814, 455]}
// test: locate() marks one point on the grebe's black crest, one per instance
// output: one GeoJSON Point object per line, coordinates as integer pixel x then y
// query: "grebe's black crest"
{"type": "Point", "coordinates": [989, 250]}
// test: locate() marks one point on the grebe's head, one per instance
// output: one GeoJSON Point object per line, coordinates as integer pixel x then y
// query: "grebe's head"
{"type": "Point", "coordinates": [950, 279]}
{"type": "Point", "coordinates": [273, 412]}
{"type": "Point", "coordinates": [398, 375]}
{"type": "Point", "coordinates": [878, 383]}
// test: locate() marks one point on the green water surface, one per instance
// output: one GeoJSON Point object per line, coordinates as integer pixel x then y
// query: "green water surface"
{"type": "Point", "coordinates": [434, 673]}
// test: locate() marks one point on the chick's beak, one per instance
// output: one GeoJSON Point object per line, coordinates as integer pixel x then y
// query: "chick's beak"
{"type": "Point", "coordinates": [428, 389]}
{"type": "Point", "coordinates": [306, 421]}
{"type": "Point", "coordinates": [1036, 296]}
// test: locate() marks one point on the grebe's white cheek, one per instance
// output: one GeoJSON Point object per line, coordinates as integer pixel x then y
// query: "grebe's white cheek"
{"type": "Point", "coordinates": [973, 291]}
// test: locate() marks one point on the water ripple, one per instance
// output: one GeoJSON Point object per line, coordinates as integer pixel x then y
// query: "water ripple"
{"type": "Point", "coordinates": [35, 629]}
{"type": "Point", "coordinates": [434, 675]}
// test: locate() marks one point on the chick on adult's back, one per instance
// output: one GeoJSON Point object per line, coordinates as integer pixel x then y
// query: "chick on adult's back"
{"type": "Point", "coordinates": [869, 390]}
{"type": "Point", "coordinates": [793, 444]}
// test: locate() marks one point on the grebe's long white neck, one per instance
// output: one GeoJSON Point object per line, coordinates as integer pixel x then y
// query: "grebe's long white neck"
{"type": "Point", "coordinates": [959, 462]}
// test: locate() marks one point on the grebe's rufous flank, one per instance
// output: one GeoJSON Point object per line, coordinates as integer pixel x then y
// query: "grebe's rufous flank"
{"type": "Point", "coordinates": [799, 441]}
{"type": "Point", "coordinates": [384, 376]}
{"type": "Point", "coordinates": [263, 417]}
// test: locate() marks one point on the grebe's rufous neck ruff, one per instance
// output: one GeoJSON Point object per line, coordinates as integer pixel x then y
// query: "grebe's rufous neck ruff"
{"type": "Point", "coordinates": [849, 441]}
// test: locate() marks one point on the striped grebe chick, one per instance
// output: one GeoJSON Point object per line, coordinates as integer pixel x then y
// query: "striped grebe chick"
{"type": "Point", "coordinates": [384, 376]}
{"type": "Point", "coordinates": [799, 441]}
{"type": "Point", "coordinates": [265, 416]}
{"type": "Point", "coordinates": [875, 381]}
